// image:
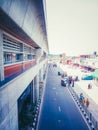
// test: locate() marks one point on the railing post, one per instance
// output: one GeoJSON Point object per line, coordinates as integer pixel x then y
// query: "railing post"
{"type": "Point", "coordinates": [90, 116]}
{"type": "Point", "coordinates": [96, 124]}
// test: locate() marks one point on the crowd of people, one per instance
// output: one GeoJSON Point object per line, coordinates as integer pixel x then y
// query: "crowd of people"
{"type": "Point", "coordinates": [84, 101]}
{"type": "Point", "coordinates": [70, 79]}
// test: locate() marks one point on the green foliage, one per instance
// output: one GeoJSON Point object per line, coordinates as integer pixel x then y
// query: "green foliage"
{"type": "Point", "coordinates": [26, 116]}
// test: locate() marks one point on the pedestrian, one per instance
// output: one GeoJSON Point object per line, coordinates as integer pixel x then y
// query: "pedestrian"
{"type": "Point", "coordinates": [87, 103]}
{"type": "Point", "coordinates": [63, 75]}
{"type": "Point", "coordinates": [83, 101]}
{"type": "Point", "coordinates": [69, 80]}
{"type": "Point", "coordinates": [72, 82]}
{"type": "Point", "coordinates": [89, 86]}
{"type": "Point", "coordinates": [81, 97]}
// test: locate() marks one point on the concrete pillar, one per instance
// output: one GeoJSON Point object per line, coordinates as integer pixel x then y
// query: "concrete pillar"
{"type": "Point", "coordinates": [41, 75]}
{"type": "Point", "coordinates": [38, 54]}
{"type": "Point", "coordinates": [1, 57]}
{"type": "Point", "coordinates": [44, 71]}
{"type": "Point", "coordinates": [22, 47]}
{"type": "Point", "coordinates": [36, 88]}
{"type": "Point", "coordinates": [32, 91]}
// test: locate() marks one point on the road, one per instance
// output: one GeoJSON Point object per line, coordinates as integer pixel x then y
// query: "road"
{"type": "Point", "coordinates": [59, 111]}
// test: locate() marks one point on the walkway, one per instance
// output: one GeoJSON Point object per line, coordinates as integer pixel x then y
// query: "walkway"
{"type": "Point", "coordinates": [91, 95]}
{"type": "Point", "coordinates": [82, 86]}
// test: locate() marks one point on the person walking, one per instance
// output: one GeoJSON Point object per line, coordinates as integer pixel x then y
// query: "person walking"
{"type": "Point", "coordinates": [87, 103]}
{"type": "Point", "coordinates": [81, 97]}
{"type": "Point", "coordinates": [72, 82]}
{"type": "Point", "coordinates": [83, 101]}
{"type": "Point", "coordinates": [89, 86]}
{"type": "Point", "coordinates": [69, 80]}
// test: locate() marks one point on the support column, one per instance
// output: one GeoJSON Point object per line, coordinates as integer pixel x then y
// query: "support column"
{"type": "Point", "coordinates": [41, 75]}
{"type": "Point", "coordinates": [32, 92]}
{"type": "Point", "coordinates": [1, 57]}
{"type": "Point", "coordinates": [37, 86]}
{"type": "Point", "coordinates": [38, 55]}
{"type": "Point", "coordinates": [22, 48]}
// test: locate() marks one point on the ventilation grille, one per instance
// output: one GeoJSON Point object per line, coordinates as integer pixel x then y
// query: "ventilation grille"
{"type": "Point", "coordinates": [11, 44]}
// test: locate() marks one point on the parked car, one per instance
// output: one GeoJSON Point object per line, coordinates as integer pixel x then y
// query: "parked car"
{"type": "Point", "coordinates": [64, 81]}
{"type": "Point", "coordinates": [87, 77]}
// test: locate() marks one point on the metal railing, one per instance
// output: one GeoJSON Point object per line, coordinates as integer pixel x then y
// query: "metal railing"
{"type": "Point", "coordinates": [88, 115]}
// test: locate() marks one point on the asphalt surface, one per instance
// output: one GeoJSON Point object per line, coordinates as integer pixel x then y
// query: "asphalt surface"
{"type": "Point", "coordinates": [59, 111]}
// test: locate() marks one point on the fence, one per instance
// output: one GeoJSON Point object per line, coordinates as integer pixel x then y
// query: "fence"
{"type": "Point", "coordinates": [88, 115]}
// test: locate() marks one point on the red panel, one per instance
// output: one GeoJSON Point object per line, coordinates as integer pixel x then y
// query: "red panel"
{"type": "Point", "coordinates": [12, 69]}
{"type": "Point", "coordinates": [33, 62]}
{"type": "Point", "coordinates": [27, 65]}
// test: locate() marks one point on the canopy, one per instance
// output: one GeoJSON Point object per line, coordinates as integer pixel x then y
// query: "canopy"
{"type": "Point", "coordinates": [95, 74]}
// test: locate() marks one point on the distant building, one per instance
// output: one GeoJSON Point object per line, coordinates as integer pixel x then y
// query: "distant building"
{"type": "Point", "coordinates": [53, 58]}
{"type": "Point", "coordinates": [63, 58]}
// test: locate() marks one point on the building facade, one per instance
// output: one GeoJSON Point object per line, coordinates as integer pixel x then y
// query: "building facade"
{"type": "Point", "coordinates": [23, 56]}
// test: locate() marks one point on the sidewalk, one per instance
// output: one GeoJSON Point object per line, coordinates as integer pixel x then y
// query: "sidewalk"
{"type": "Point", "coordinates": [81, 86]}
{"type": "Point", "coordinates": [91, 95]}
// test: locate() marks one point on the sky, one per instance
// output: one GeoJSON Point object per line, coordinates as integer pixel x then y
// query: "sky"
{"type": "Point", "coordinates": [72, 26]}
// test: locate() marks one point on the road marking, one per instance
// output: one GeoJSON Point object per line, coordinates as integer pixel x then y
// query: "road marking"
{"type": "Point", "coordinates": [59, 109]}
{"type": "Point", "coordinates": [54, 98]}
{"type": "Point", "coordinates": [53, 88]}
{"type": "Point", "coordinates": [56, 93]}
{"type": "Point", "coordinates": [59, 121]}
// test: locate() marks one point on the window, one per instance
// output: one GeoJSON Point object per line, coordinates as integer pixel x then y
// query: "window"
{"type": "Point", "coordinates": [19, 57]}
{"type": "Point", "coordinates": [10, 57]}
{"type": "Point", "coordinates": [7, 57]}
{"type": "Point", "coordinates": [14, 51]}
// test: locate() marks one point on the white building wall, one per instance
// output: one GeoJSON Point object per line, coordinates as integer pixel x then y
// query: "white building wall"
{"type": "Point", "coordinates": [1, 57]}
{"type": "Point", "coordinates": [9, 94]}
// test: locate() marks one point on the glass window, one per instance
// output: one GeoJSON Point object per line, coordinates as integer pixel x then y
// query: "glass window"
{"type": "Point", "coordinates": [29, 57]}
{"type": "Point", "coordinates": [7, 57]}
{"type": "Point", "coordinates": [25, 57]}
{"type": "Point", "coordinates": [19, 57]}
{"type": "Point", "coordinates": [12, 57]}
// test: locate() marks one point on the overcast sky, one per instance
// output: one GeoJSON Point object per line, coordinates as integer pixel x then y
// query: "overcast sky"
{"type": "Point", "coordinates": [72, 26]}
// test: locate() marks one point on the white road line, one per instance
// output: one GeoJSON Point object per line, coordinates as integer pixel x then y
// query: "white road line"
{"type": "Point", "coordinates": [54, 98]}
{"type": "Point", "coordinates": [56, 93]}
{"type": "Point", "coordinates": [59, 121]}
{"type": "Point", "coordinates": [59, 109]}
{"type": "Point", "coordinates": [53, 88]}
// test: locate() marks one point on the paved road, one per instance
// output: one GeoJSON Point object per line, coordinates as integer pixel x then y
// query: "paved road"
{"type": "Point", "coordinates": [59, 111]}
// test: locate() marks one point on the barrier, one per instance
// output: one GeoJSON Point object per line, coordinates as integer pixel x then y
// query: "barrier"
{"type": "Point", "coordinates": [87, 114]}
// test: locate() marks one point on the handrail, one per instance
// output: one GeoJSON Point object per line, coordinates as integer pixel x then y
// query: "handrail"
{"type": "Point", "coordinates": [88, 115]}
